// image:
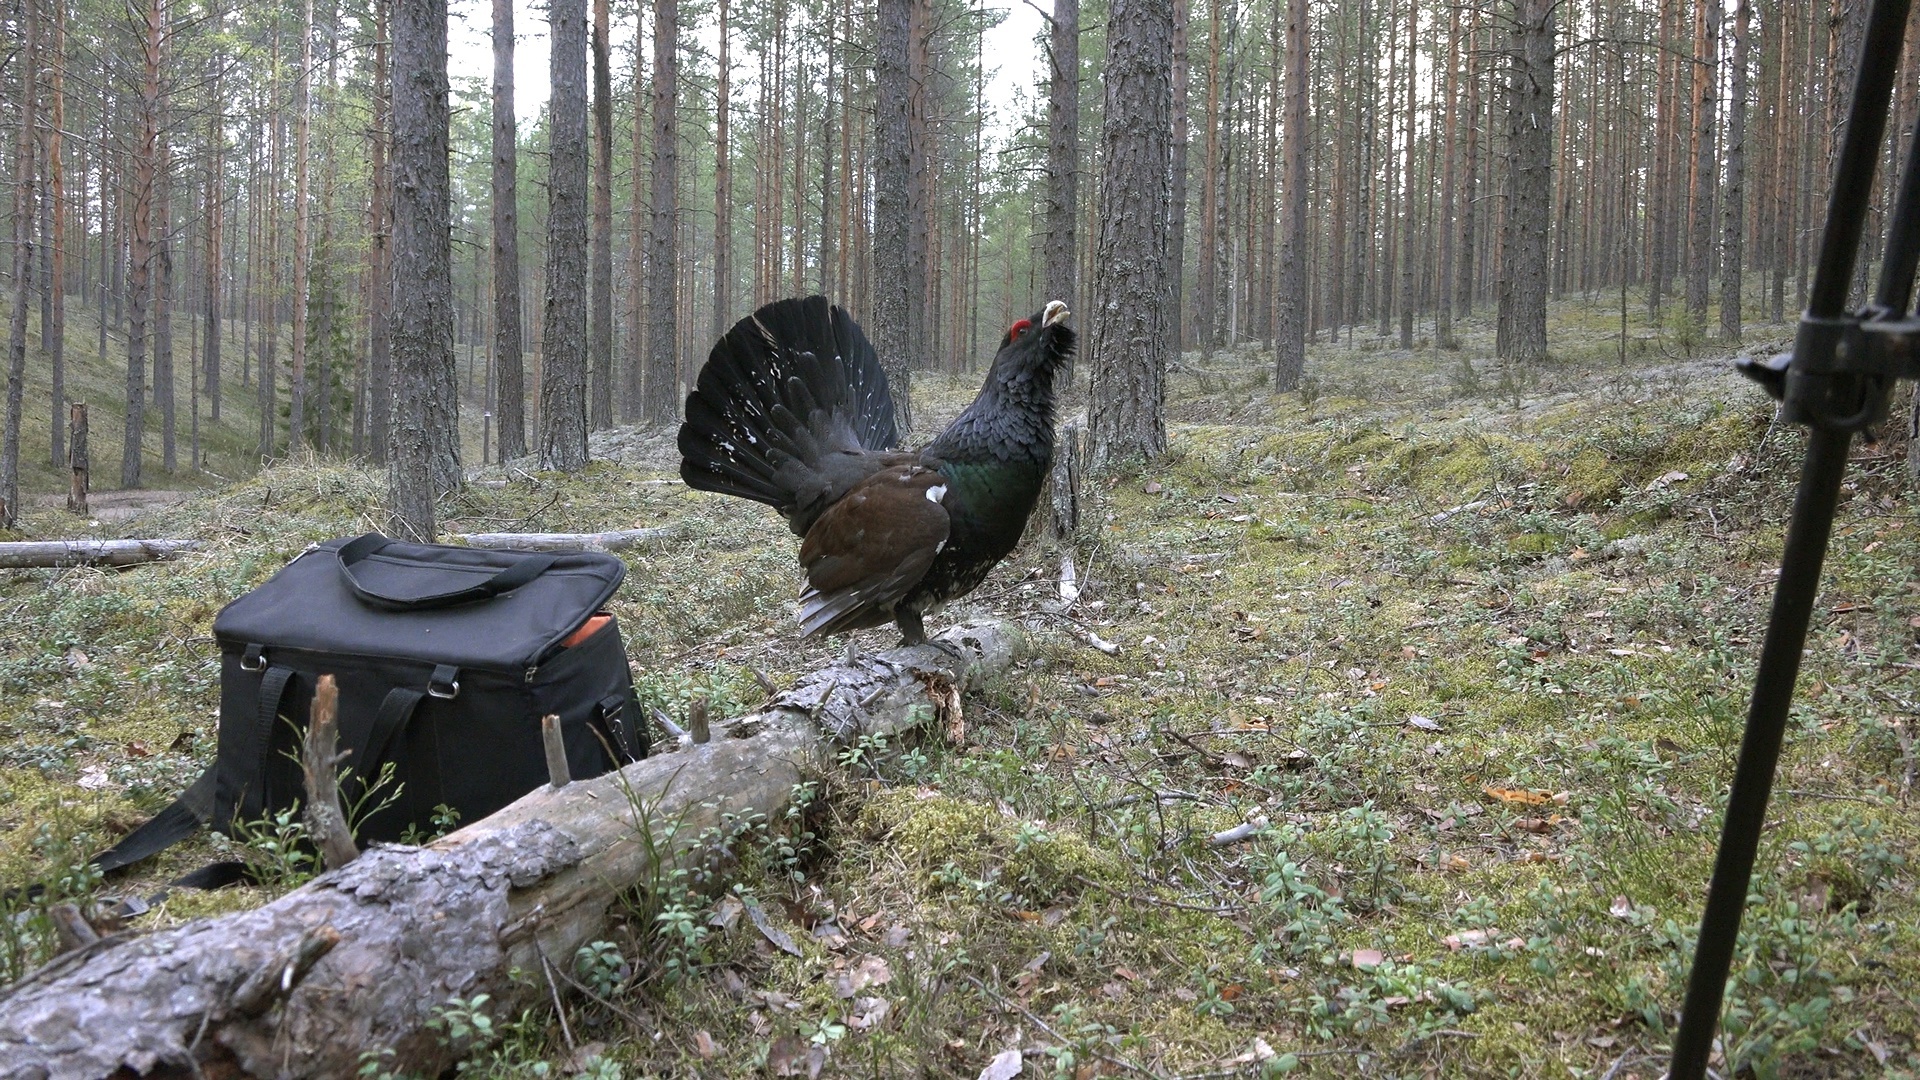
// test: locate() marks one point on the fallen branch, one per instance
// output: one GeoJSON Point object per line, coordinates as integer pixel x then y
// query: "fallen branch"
{"type": "Point", "coordinates": [39, 554]}
{"type": "Point", "coordinates": [615, 540]}
{"type": "Point", "coordinates": [357, 960]}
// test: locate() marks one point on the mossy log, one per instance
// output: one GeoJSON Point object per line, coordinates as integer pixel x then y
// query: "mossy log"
{"type": "Point", "coordinates": [355, 961]}
{"type": "Point", "coordinates": [32, 554]}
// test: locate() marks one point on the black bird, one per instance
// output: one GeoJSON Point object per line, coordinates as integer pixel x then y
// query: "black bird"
{"type": "Point", "coordinates": [792, 410]}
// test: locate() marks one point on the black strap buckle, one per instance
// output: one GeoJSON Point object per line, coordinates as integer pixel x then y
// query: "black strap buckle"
{"type": "Point", "coordinates": [254, 659]}
{"type": "Point", "coordinates": [444, 683]}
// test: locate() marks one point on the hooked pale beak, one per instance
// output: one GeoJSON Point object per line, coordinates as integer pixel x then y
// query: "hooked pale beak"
{"type": "Point", "coordinates": [1056, 310]}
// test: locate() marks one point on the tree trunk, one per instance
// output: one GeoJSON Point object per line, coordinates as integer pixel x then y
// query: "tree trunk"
{"type": "Point", "coordinates": [1703, 178]}
{"type": "Point", "coordinates": [23, 208]}
{"type": "Point", "coordinates": [302, 222]}
{"type": "Point", "coordinates": [423, 452]}
{"type": "Point", "coordinates": [722, 189]}
{"type": "Point", "coordinates": [1131, 287]}
{"type": "Point", "coordinates": [1523, 260]}
{"type": "Point", "coordinates": [161, 283]}
{"type": "Point", "coordinates": [1177, 216]}
{"type": "Point", "coordinates": [1407, 203]}
{"type": "Point", "coordinates": [379, 411]}
{"type": "Point", "coordinates": [633, 370]}
{"type": "Point", "coordinates": [1290, 335]}
{"type": "Point", "coordinates": [140, 248]}
{"type": "Point", "coordinates": [214, 200]}
{"type": "Point", "coordinates": [600, 347]}
{"type": "Point", "coordinates": [1734, 204]}
{"type": "Point", "coordinates": [306, 985]}
{"type": "Point", "coordinates": [662, 385]}
{"type": "Point", "coordinates": [508, 351]}
{"type": "Point", "coordinates": [898, 283]}
{"type": "Point", "coordinates": [563, 330]}
{"type": "Point", "coordinates": [1444, 224]}
{"type": "Point", "coordinates": [1063, 151]}
{"type": "Point", "coordinates": [53, 336]}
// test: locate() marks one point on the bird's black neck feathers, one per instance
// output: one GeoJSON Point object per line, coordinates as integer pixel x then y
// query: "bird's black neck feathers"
{"type": "Point", "coordinates": [1012, 418]}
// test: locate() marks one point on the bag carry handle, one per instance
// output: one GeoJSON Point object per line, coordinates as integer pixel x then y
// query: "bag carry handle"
{"type": "Point", "coordinates": [357, 550]}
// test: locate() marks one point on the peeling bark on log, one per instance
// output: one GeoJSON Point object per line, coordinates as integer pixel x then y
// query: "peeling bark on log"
{"type": "Point", "coordinates": [357, 959]}
{"type": "Point", "coordinates": [616, 540]}
{"type": "Point", "coordinates": [36, 554]}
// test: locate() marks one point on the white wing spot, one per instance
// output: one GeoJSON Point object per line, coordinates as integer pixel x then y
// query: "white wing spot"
{"type": "Point", "coordinates": [936, 493]}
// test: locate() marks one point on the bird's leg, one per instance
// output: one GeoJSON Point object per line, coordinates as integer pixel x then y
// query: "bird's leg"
{"type": "Point", "coordinates": [912, 630]}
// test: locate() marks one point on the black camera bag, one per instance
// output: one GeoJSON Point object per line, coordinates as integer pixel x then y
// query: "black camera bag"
{"type": "Point", "coordinates": [445, 657]}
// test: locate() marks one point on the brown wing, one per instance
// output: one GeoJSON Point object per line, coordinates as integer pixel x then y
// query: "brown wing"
{"type": "Point", "coordinates": [871, 548]}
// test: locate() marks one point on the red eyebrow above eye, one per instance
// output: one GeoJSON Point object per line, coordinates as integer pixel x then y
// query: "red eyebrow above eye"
{"type": "Point", "coordinates": [1020, 327]}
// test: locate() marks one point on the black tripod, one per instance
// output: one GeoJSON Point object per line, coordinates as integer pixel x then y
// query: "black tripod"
{"type": "Point", "coordinates": [1836, 382]}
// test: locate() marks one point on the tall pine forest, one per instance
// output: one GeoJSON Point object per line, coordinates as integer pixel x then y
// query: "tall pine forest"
{"type": "Point", "coordinates": [212, 188]}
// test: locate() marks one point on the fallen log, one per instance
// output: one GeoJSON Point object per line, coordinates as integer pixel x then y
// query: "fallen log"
{"type": "Point", "coordinates": [42, 554]}
{"type": "Point", "coordinates": [356, 961]}
{"type": "Point", "coordinates": [614, 540]}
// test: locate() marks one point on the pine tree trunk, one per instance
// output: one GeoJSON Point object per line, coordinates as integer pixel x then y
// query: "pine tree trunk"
{"type": "Point", "coordinates": [54, 331]}
{"type": "Point", "coordinates": [1063, 151]}
{"type": "Point", "coordinates": [662, 386]}
{"type": "Point", "coordinates": [1703, 180]}
{"type": "Point", "coordinates": [1523, 242]}
{"type": "Point", "coordinates": [140, 247]}
{"type": "Point", "coordinates": [1177, 227]}
{"type": "Point", "coordinates": [423, 451]}
{"type": "Point", "coordinates": [297, 435]}
{"type": "Point", "coordinates": [510, 389]}
{"type": "Point", "coordinates": [897, 281]}
{"type": "Point", "coordinates": [601, 346]}
{"type": "Point", "coordinates": [380, 250]}
{"type": "Point", "coordinates": [1131, 287]}
{"type": "Point", "coordinates": [723, 188]}
{"type": "Point", "coordinates": [1407, 204]}
{"type": "Point", "coordinates": [633, 371]}
{"type": "Point", "coordinates": [1733, 214]}
{"type": "Point", "coordinates": [563, 329]}
{"type": "Point", "coordinates": [1204, 316]}
{"type": "Point", "coordinates": [23, 208]}
{"type": "Point", "coordinates": [1444, 223]}
{"type": "Point", "coordinates": [215, 201]}
{"type": "Point", "coordinates": [161, 283]}
{"type": "Point", "coordinates": [1290, 336]}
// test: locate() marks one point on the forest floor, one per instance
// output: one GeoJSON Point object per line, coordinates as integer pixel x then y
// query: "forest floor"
{"type": "Point", "coordinates": [1469, 654]}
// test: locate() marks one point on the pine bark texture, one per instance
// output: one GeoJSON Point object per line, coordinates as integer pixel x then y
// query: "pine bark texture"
{"type": "Point", "coordinates": [423, 452]}
{"type": "Point", "coordinates": [23, 199]}
{"type": "Point", "coordinates": [1523, 304]}
{"type": "Point", "coordinates": [723, 187]}
{"type": "Point", "coordinates": [509, 370]}
{"type": "Point", "coordinates": [600, 345]}
{"type": "Point", "coordinates": [1290, 335]}
{"type": "Point", "coordinates": [54, 329]}
{"type": "Point", "coordinates": [1063, 152]}
{"type": "Point", "coordinates": [563, 333]}
{"type": "Point", "coordinates": [1734, 204]}
{"type": "Point", "coordinates": [297, 434]}
{"type": "Point", "coordinates": [1132, 287]}
{"type": "Point", "coordinates": [661, 400]}
{"type": "Point", "coordinates": [1703, 176]}
{"type": "Point", "coordinates": [140, 246]}
{"type": "Point", "coordinates": [897, 282]}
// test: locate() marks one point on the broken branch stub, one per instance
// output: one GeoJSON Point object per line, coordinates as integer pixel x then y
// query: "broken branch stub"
{"type": "Point", "coordinates": [357, 960]}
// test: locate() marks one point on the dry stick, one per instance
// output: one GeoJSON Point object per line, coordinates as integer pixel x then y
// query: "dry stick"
{"type": "Point", "coordinates": [558, 775]}
{"type": "Point", "coordinates": [615, 540]}
{"type": "Point", "coordinates": [320, 759]}
{"type": "Point", "coordinates": [41, 554]}
{"type": "Point", "coordinates": [698, 724]}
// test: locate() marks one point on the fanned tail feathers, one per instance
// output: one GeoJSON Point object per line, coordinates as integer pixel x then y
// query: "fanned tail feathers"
{"type": "Point", "coordinates": [783, 393]}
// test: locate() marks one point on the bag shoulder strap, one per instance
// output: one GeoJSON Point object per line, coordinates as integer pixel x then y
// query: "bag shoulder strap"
{"type": "Point", "coordinates": [168, 827]}
{"type": "Point", "coordinates": [357, 550]}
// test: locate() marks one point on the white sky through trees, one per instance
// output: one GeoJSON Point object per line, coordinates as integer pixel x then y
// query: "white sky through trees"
{"type": "Point", "coordinates": [1014, 60]}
